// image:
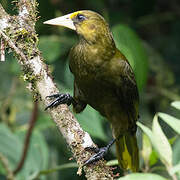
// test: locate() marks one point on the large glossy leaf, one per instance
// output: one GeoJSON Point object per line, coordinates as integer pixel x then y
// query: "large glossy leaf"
{"type": "Point", "coordinates": [37, 158]}
{"type": "Point", "coordinates": [173, 122]}
{"type": "Point", "coordinates": [92, 122]}
{"type": "Point", "coordinates": [130, 45]}
{"type": "Point", "coordinates": [142, 176]}
{"type": "Point", "coordinates": [11, 146]}
{"type": "Point", "coordinates": [162, 143]}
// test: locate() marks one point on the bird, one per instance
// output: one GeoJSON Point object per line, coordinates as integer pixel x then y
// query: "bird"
{"type": "Point", "coordinates": [103, 79]}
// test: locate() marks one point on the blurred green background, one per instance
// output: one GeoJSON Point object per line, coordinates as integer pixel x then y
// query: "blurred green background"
{"type": "Point", "coordinates": [147, 32]}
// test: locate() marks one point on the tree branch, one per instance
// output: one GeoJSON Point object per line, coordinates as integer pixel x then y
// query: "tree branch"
{"type": "Point", "coordinates": [19, 34]}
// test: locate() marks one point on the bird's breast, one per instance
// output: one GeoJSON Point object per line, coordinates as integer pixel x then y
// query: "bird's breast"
{"type": "Point", "coordinates": [85, 65]}
{"type": "Point", "coordinates": [89, 68]}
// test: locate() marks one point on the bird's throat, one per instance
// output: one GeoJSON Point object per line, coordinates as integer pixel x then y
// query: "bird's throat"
{"type": "Point", "coordinates": [101, 50]}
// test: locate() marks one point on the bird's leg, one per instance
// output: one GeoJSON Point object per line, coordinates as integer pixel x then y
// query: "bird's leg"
{"type": "Point", "coordinates": [100, 152]}
{"type": "Point", "coordinates": [63, 98]}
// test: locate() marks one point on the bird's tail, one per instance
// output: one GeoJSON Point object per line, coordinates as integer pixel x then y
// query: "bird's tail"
{"type": "Point", "coordinates": [127, 152]}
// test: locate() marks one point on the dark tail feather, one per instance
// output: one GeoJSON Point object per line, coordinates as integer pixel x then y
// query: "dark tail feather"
{"type": "Point", "coordinates": [127, 152]}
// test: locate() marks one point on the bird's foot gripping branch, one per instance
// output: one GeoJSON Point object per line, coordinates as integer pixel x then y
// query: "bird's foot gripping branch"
{"type": "Point", "coordinates": [68, 99]}
{"type": "Point", "coordinates": [99, 152]}
{"type": "Point", "coordinates": [60, 99]}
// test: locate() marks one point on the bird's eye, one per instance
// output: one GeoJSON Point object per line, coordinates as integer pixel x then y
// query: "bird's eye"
{"type": "Point", "coordinates": [81, 17]}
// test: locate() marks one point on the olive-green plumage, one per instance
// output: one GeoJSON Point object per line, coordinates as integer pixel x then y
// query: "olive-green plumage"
{"type": "Point", "coordinates": [104, 79]}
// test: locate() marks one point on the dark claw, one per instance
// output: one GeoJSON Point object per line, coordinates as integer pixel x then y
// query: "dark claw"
{"type": "Point", "coordinates": [100, 152]}
{"type": "Point", "coordinates": [94, 149]}
{"type": "Point", "coordinates": [96, 157]}
{"type": "Point", "coordinates": [59, 99]}
{"type": "Point", "coordinates": [53, 96]}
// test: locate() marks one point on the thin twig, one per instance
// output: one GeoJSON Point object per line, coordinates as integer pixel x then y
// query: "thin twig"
{"type": "Point", "coordinates": [13, 46]}
{"type": "Point", "coordinates": [28, 137]}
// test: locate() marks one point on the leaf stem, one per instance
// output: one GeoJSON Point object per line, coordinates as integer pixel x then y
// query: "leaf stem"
{"type": "Point", "coordinates": [57, 168]}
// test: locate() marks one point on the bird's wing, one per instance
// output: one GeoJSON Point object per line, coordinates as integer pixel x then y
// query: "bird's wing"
{"type": "Point", "coordinates": [127, 91]}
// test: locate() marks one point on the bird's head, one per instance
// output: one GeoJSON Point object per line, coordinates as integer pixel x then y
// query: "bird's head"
{"type": "Point", "coordinates": [88, 24]}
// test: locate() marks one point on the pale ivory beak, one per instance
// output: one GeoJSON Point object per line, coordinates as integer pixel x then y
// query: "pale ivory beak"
{"type": "Point", "coordinates": [65, 21]}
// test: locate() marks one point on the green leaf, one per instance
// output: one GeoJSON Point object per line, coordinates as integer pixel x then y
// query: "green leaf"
{"type": "Point", "coordinates": [130, 45]}
{"type": "Point", "coordinates": [37, 158]}
{"type": "Point", "coordinates": [58, 168]}
{"type": "Point", "coordinates": [175, 169]}
{"type": "Point", "coordinates": [146, 149]}
{"type": "Point", "coordinates": [44, 121]}
{"type": "Point", "coordinates": [148, 132]}
{"type": "Point", "coordinates": [153, 158]}
{"type": "Point", "coordinates": [50, 47]}
{"type": "Point", "coordinates": [162, 144]}
{"type": "Point", "coordinates": [14, 67]}
{"type": "Point", "coordinates": [176, 104]}
{"type": "Point", "coordinates": [54, 46]}
{"type": "Point", "coordinates": [159, 141]}
{"type": "Point", "coordinates": [176, 158]}
{"type": "Point", "coordinates": [173, 122]}
{"type": "Point", "coordinates": [91, 121]}
{"type": "Point", "coordinates": [112, 163]}
{"type": "Point", "coordinates": [10, 145]}
{"type": "Point", "coordinates": [172, 139]}
{"type": "Point", "coordinates": [176, 151]}
{"type": "Point", "coordinates": [142, 176]}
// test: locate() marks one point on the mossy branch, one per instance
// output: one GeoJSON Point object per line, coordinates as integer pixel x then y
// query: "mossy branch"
{"type": "Point", "coordinates": [19, 34]}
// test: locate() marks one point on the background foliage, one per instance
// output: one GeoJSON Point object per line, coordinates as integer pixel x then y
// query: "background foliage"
{"type": "Point", "coordinates": [148, 33]}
